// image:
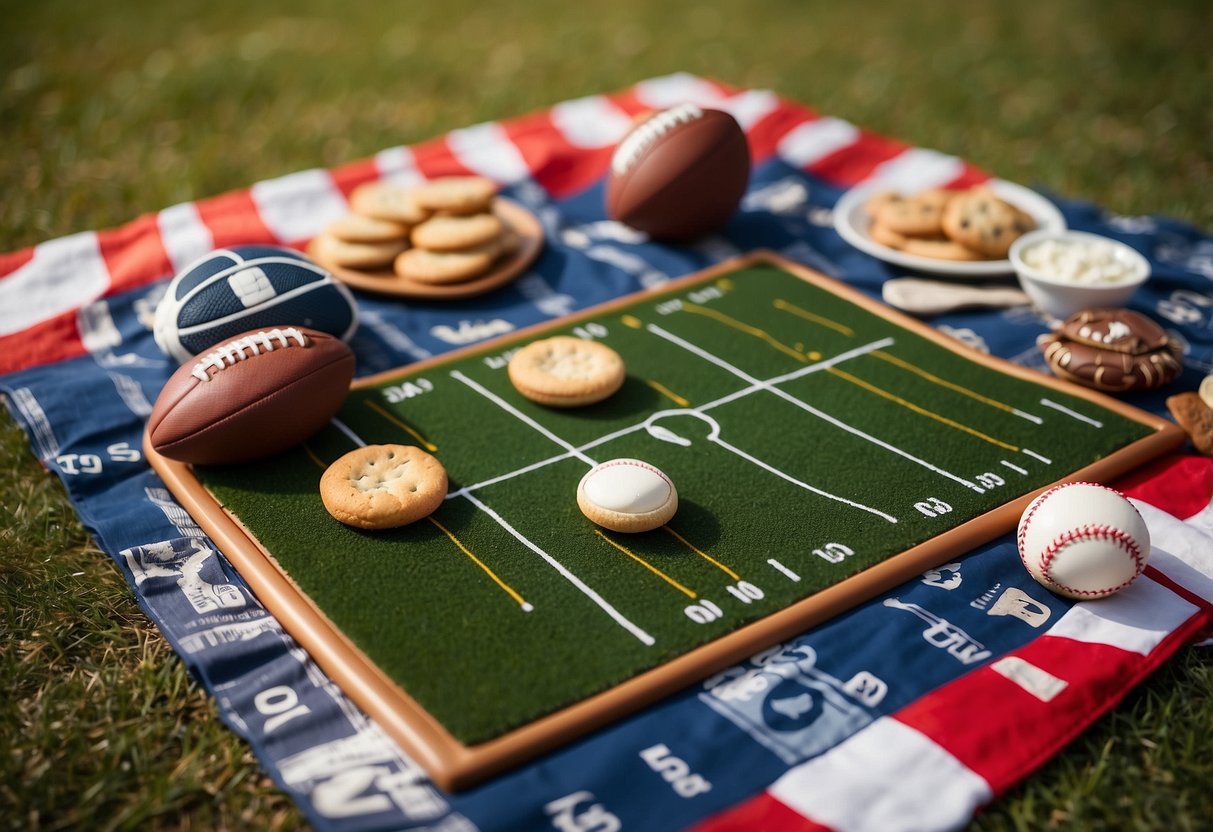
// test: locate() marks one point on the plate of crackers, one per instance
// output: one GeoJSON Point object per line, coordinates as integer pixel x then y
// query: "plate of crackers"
{"type": "Point", "coordinates": [960, 232]}
{"type": "Point", "coordinates": [450, 237]}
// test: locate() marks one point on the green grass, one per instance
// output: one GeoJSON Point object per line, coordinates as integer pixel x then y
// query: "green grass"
{"type": "Point", "coordinates": [111, 110]}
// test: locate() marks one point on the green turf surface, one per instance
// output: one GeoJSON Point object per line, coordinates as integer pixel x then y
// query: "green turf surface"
{"type": "Point", "coordinates": [853, 429]}
{"type": "Point", "coordinates": [110, 110]}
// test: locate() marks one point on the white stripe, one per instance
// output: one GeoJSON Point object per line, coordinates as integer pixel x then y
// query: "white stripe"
{"type": "Point", "coordinates": [1135, 619]}
{"type": "Point", "coordinates": [1183, 551]}
{"type": "Point", "coordinates": [61, 276]}
{"type": "Point", "coordinates": [787, 572]}
{"type": "Point", "coordinates": [679, 88]}
{"type": "Point", "coordinates": [1037, 681]}
{"type": "Point", "coordinates": [298, 206]}
{"type": "Point", "coordinates": [185, 236]}
{"type": "Point", "coordinates": [1015, 468]}
{"type": "Point", "coordinates": [486, 149]}
{"type": "Point", "coordinates": [590, 122]}
{"type": "Point", "coordinates": [750, 107]}
{"type": "Point", "coordinates": [915, 170]}
{"type": "Point", "coordinates": [344, 428]}
{"type": "Point", "coordinates": [848, 787]}
{"type": "Point", "coordinates": [813, 140]}
{"type": "Point", "coordinates": [1037, 456]}
{"type": "Point", "coordinates": [41, 432]}
{"type": "Point", "coordinates": [602, 603]}
{"type": "Point", "coordinates": [397, 165]}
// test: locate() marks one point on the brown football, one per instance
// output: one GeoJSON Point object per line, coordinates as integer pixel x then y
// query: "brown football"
{"type": "Point", "coordinates": [679, 174]}
{"type": "Point", "coordinates": [256, 395]}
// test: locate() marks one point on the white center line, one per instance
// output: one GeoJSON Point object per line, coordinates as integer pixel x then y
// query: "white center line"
{"type": "Point", "coordinates": [1071, 413]}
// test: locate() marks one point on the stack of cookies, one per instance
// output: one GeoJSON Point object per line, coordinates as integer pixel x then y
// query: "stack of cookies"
{"type": "Point", "coordinates": [444, 231]}
{"type": "Point", "coordinates": [972, 224]}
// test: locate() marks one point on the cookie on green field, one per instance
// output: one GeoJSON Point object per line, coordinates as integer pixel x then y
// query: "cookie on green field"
{"type": "Point", "coordinates": [383, 486]}
{"type": "Point", "coordinates": [563, 371]}
{"type": "Point", "coordinates": [360, 228]}
{"type": "Point", "coordinates": [456, 194]}
{"type": "Point", "coordinates": [350, 255]}
{"type": "Point", "coordinates": [442, 267]}
{"type": "Point", "coordinates": [627, 495]}
{"type": "Point", "coordinates": [455, 233]}
{"type": "Point", "coordinates": [388, 201]}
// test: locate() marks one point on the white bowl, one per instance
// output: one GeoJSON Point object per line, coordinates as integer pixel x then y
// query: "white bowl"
{"type": "Point", "coordinates": [1061, 295]}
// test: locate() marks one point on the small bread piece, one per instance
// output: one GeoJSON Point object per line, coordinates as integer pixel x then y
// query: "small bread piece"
{"type": "Point", "coordinates": [939, 249]}
{"type": "Point", "coordinates": [456, 194]}
{"type": "Point", "coordinates": [456, 233]}
{"type": "Point", "coordinates": [383, 486]}
{"type": "Point", "coordinates": [442, 267]}
{"type": "Point", "coordinates": [359, 228]}
{"type": "Point", "coordinates": [357, 255]}
{"type": "Point", "coordinates": [563, 371]}
{"type": "Point", "coordinates": [1195, 417]}
{"type": "Point", "coordinates": [627, 495]}
{"type": "Point", "coordinates": [919, 215]}
{"type": "Point", "coordinates": [388, 201]}
{"type": "Point", "coordinates": [981, 221]}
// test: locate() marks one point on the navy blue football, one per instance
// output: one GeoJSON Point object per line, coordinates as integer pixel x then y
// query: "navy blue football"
{"type": "Point", "coordinates": [237, 289]}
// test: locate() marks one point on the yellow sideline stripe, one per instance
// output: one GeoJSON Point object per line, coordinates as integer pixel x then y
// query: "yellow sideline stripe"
{"type": "Point", "coordinates": [667, 392]}
{"type": "Point", "coordinates": [704, 555]}
{"type": "Point", "coordinates": [648, 566]}
{"type": "Point", "coordinates": [508, 589]}
{"type": "Point", "coordinates": [922, 411]}
{"type": "Point", "coordinates": [934, 379]}
{"type": "Point", "coordinates": [687, 306]}
{"type": "Point", "coordinates": [378, 408]}
{"type": "Point", "coordinates": [812, 317]}
{"type": "Point", "coordinates": [315, 458]}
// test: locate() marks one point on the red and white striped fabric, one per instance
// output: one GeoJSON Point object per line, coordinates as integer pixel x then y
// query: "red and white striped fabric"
{"type": "Point", "coordinates": [934, 763]}
{"type": "Point", "coordinates": [564, 149]}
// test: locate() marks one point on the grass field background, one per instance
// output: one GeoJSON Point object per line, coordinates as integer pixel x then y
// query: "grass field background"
{"type": "Point", "coordinates": [111, 110]}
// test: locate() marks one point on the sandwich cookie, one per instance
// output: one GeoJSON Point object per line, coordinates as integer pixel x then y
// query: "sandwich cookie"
{"type": "Point", "coordinates": [627, 495]}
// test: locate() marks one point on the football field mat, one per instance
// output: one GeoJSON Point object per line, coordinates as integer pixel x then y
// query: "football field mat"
{"type": "Point", "coordinates": [825, 448]}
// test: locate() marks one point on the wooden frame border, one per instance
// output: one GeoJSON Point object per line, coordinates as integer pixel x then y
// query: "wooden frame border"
{"type": "Point", "coordinates": [455, 766]}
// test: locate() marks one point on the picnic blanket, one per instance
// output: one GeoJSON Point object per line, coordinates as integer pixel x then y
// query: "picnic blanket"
{"type": "Point", "coordinates": [911, 711]}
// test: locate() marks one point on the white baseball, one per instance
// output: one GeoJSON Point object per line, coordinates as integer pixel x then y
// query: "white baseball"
{"type": "Point", "coordinates": [1083, 540]}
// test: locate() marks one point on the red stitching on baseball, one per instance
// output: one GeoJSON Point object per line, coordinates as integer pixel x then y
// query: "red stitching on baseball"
{"type": "Point", "coordinates": [1088, 532]}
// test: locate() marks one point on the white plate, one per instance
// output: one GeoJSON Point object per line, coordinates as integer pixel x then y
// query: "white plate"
{"type": "Point", "coordinates": [852, 221]}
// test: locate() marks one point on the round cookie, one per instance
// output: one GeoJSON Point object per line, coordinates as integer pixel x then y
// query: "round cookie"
{"type": "Point", "coordinates": [980, 220]}
{"type": "Point", "coordinates": [456, 233]}
{"type": "Point", "coordinates": [350, 255]}
{"type": "Point", "coordinates": [1116, 350]}
{"type": "Point", "coordinates": [387, 201]}
{"type": "Point", "coordinates": [1206, 390]}
{"type": "Point", "coordinates": [886, 236]}
{"type": "Point", "coordinates": [563, 371]}
{"type": "Point", "coordinates": [939, 249]}
{"type": "Point", "coordinates": [443, 267]}
{"type": "Point", "coordinates": [359, 228]}
{"type": "Point", "coordinates": [920, 215]}
{"type": "Point", "coordinates": [627, 495]}
{"type": "Point", "coordinates": [383, 486]}
{"type": "Point", "coordinates": [456, 194]}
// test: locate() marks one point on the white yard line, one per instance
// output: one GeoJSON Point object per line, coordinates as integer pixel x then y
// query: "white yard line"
{"type": "Point", "coordinates": [768, 386]}
{"type": "Point", "coordinates": [1072, 414]}
{"type": "Point", "coordinates": [585, 590]}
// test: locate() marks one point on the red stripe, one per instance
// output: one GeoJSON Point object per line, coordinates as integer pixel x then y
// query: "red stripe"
{"type": "Point", "coordinates": [556, 164]}
{"type": "Point", "coordinates": [1013, 732]}
{"type": "Point", "coordinates": [968, 177]}
{"type": "Point", "coordinates": [766, 133]}
{"type": "Point", "coordinates": [51, 340]}
{"type": "Point", "coordinates": [348, 177]}
{"type": "Point", "coordinates": [9, 263]}
{"type": "Point", "coordinates": [854, 163]}
{"type": "Point", "coordinates": [134, 254]}
{"type": "Point", "coordinates": [233, 219]}
{"type": "Point", "coordinates": [1179, 485]}
{"type": "Point", "coordinates": [435, 158]}
{"type": "Point", "coordinates": [761, 812]}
